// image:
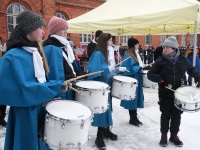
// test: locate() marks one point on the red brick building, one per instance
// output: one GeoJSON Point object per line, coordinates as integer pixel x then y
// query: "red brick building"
{"type": "Point", "coordinates": [69, 9]}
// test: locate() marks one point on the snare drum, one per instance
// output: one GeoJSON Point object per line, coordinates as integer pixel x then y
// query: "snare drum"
{"type": "Point", "coordinates": [66, 124]}
{"type": "Point", "coordinates": [124, 87]}
{"type": "Point", "coordinates": [94, 94]}
{"type": "Point", "coordinates": [146, 82]}
{"type": "Point", "coordinates": [187, 98]}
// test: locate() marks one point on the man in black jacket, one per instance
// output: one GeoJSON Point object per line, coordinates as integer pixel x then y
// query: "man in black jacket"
{"type": "Point", "coordinates": [92, 45]}
{"type": "Point", "coordinates": [169, 71]}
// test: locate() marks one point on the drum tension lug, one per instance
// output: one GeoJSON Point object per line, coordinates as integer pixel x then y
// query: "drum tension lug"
{"type": "Point", "coordinates": [47, 118]}
{"type": "Point", "coordinates": [82, 124]}
{"type": "Point", "coordinates": [60, 144]}
{"type": "Point", "coordinates": [45, 139]}
{"type": "Point", "coordinates": [63, 125]}
{"type": "Point", "coordinates": [90, 93]}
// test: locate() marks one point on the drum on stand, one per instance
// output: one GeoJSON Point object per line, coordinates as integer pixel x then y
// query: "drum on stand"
{"type": "Point", "coordinates": [146, 82]}
{"type": "Point", "coordinates": [187, 98]}
{"type": "Point", "coordinates": [94, 94]}
{"type": "Point", "coordinates": [124, 87]}
{"type": "Point", "coordinates": [67, 124]}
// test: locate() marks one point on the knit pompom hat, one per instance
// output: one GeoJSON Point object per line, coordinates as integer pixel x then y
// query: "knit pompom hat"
{"type": "Point", "coordinates": [55, 24]}
{"type": "Point", "coordinates": [132, 42]}
{"type": "Point", "coordinates": [28, 21]}
{"type": "Point", "coordinates": [171, 42]}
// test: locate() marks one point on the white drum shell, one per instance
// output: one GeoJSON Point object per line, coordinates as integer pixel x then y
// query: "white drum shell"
{"type": "Point", "coordinates": [146, 82]}
{"type": "Point", "coordinates": [95, 98]}
{"type": "Point", "coordinates": [187, 98]}
{"type": "Point", "coordinates": [62, 133]}
{"type": "Point", "coordinates": [124, 87]}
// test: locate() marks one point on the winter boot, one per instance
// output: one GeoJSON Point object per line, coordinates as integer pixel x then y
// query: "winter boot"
{"type": "Point", "coordinates": [175, 139]}
{"type": "Point", "coordinates": [109, 134]}
{"type": "Point", "coordinates": [133, 118]}
{"type": "Point", "coordinates": [99, 140]}
{"type": "Point", "coordinates": [163, 141]}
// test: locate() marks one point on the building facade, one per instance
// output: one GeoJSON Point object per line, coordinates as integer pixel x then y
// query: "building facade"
{"type": "Point", "coordinates": [69, 9]}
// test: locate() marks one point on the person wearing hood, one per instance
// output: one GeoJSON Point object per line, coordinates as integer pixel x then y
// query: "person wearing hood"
{"type": "Point", "coordinates": [134, 65]}
{"type": "Point", "coordinates": [169, 71]}
{"type": "Point", "coordinates": [92, 45]}
{"type": "Point", "coordinates": [24, 86]}
{"type": "Point", "coordinates": [59, 54]}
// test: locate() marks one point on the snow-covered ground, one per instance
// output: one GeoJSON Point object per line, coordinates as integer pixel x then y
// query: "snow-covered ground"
{"type": "Point", "coordinates": [147, 136]}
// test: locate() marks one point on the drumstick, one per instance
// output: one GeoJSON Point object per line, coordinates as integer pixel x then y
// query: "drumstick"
{"type": "Point", "coordinates": [148, 65]}
{"type": "Point", "coordinates": [82, 76]}
{"type": "Point", "coordinates": [122, 61]}
{"type": "Point", "coordinates": [74, 89]}
{"type": "Point", "coordinates": [174, 91]}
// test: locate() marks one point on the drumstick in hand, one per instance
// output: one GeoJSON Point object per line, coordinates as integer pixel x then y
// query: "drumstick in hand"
{"type": "Point", "coordinates": [147, 65]}
{"type": "Point", "coordinates": [174, 90]}
{"type": "Point", "coordinates": [122, 61]}
{"type": "Point", "coordinates": [82, 76]}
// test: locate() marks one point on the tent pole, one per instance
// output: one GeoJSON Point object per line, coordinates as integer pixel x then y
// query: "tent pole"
{"type": "Point", "coordinates": [194, 46]}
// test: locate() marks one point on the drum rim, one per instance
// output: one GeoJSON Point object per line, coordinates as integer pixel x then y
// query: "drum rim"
{"type": "Point", "coordinates": [88, 89]}
{"type": "Point", "coordinates": [69, 120]}
{"type": "Point", "coordinates": [135, 82]}
{"type": "Point", "coordinates": [190, 102]}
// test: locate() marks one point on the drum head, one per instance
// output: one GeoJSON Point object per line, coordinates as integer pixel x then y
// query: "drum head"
{"type": "Point", "coordinates": [188, 94]}
{"type": "Point", "coordinates": [92, 85]}
{"type": "Point", "coordinates": [125, 79]}
{"type": "Point", "coordinates": [66, 109]}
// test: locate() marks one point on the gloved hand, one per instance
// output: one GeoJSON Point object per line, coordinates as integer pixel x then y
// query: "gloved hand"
{"type": "Point", "coordinates": [122, 69]}
{"type": "Point", "coordinates": [198, 84]}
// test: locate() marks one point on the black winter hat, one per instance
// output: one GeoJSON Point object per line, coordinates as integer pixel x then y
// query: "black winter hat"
{"type": "Point", "coordinates": [28, 21]}
{"type": "Point", "coordinates": [98, 32]}
{"type": "Point", "coordinates": [132, 42]}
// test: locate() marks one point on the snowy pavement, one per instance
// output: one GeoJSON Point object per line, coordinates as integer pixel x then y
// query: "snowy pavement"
{"type": "Point", "coordinates": [147, 136]}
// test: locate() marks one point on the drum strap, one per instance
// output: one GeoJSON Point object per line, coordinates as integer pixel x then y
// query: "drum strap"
{"type": "Point", "coordinates": [65, 56]}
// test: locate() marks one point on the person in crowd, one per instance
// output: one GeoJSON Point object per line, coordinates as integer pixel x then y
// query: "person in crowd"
{"type": "Point", "coordinates": [145, 55]}
{"type": "Point", "coordinates": [189, 55]}
{"type": "Point", "coordinates": [59, 53]}
{"type": "Point", "coordinates": [150, 55]}
{"type": "Point", "coordinates": [134, 65]}
{"type": "Point", "coordinates": [24, 86]}
{"type": "Point", "coordinates": [92, 45]}
{"type": "Point", "coordinates": [99, 61]}
{"type": "Point", "coordinates": [158, 52]}
{"type": "Point", "coordinates": [169, 72]}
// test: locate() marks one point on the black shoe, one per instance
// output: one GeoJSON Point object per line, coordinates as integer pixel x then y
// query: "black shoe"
{"type": "Point", "coordinates": [99, 140]}
{"type": "Point", "coordinates": [175, 139]}
{"type": "Point", "coordinates": [134, 122]}
{"type": "Point", "coordinates": [138, 120]}
{"type": "Point", "coordinates": [108, 134]}
{"type": "Point", "coordinates": [163, 141]}
{"type": "Point", "coordinates": [3, 123]}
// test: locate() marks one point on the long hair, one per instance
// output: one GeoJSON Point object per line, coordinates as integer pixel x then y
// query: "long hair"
{"type": "Point", "coordinates": [41, 51]}
{"type": "Point", "coordinates": [132, 53]}
{"type": "Point", "coordinates": [102, 44]}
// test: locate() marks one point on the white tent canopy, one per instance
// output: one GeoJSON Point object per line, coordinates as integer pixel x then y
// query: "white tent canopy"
{"type": "Point", "coordinates": [139, 17]}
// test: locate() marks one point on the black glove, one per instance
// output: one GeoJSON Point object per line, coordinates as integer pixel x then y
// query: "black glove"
{"type": "Point", "coordinates": [198, 84]}
{"type": "Point", "coordinates": [147, 67]}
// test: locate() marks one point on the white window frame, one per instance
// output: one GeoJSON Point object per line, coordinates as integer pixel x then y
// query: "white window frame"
{"type": "Point", "coordinates": [183, 40]}
{"type": "Point", "coordinates": [125, 40]}
{"type": "Point", "coordinates": [162, 38]}
{"type": "Point", "coordinates": [85, 38]}
{"type": "Point", "coordinates": [12, 14]}
{"type": "Point", "coordinates": [148, 39]}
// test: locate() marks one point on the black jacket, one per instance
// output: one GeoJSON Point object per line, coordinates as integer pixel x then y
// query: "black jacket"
{"type": "Point", "coordinates": [91, 48]}
{"type": "Point", "coordinates": [173, 74]}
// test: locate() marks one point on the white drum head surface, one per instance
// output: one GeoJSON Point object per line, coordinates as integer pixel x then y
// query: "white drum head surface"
{"type": "Point", "coordinates": [145, 71]}
{"type": "Point", "coordinates": [66, 109]}
{"type": "Point", "coordinates": [125, 79]}
{"type": "Point", "coordinates": [188, 94]}
{"type": "Point", "coordinates": [92, 84]}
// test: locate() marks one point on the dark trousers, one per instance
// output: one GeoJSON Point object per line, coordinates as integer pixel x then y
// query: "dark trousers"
{"type": "Point", "coordinates": [170, 116]}
{"type": "Point", "coordinates": [2, 111]}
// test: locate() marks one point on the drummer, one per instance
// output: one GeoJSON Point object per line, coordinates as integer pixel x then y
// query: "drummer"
{"type": "Point", "coordinates": [24, 86]}
{"type": "Point", "coordinates": [169, 70]}
{"type": "Point", "coordinates": [59, 53]}
{"type": "Point", "coordinates": [97, 62]}
{"type": "Point", "coordinates": [134, 65]}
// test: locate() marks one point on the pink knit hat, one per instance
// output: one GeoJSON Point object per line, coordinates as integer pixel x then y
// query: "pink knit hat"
{"type": "Point", "coordinates": [55, 24]}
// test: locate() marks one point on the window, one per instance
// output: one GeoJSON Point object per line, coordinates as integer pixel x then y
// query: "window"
{"type": "Point", "coordinates": [85, 38]}
{"type": "Point", "coordinates": [191, 39]}
{"type": "Point", "coordinates": [125, 40]}
{"type": "Point", "coordinates": [183, 40]}
{"type": "Point", "coordinates": [60, 15]}
{"type": "Point", "coordinates": [162, 38]}
{"type": "Point", "coordinates": [12, 11]}
{"type": "Point", "coordinates": [148, 40]}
